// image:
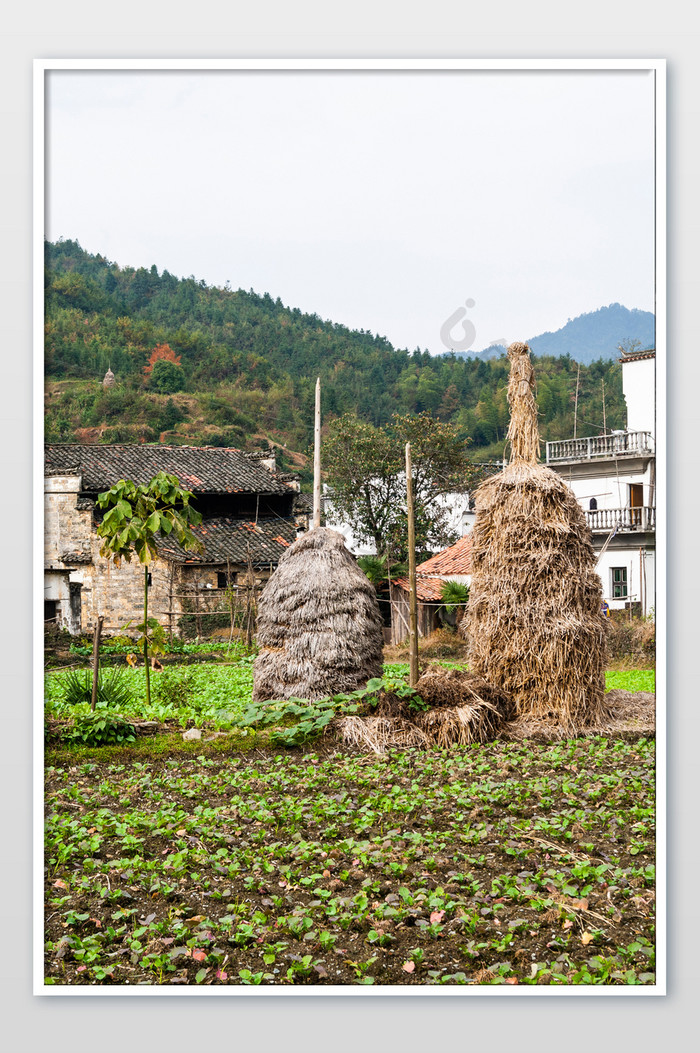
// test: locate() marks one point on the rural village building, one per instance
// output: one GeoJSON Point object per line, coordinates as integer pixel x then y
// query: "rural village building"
{"type": "Point", "coordinates": [452, 564]}
{"type": "Point", "coordinates": [250, 514]}
{"type": "Point", "coordinates": [614, 478]}
{"type": "Point", "coordinates": [460, 519]}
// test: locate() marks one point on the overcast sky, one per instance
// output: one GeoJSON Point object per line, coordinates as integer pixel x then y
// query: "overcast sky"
{"type": "Point", "coordinates": [381, 200]}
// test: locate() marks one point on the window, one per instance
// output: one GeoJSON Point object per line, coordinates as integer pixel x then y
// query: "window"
{"type": "Point", "coordinates": [593, 504]}
{"type": "Point", "coordinates": [225, 580]}
{"type": "Point", "coordinates": [619, 583]}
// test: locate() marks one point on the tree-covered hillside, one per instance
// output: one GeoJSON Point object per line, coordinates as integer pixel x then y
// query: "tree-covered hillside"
{"type": "Point", "coordinates": [201, 364]}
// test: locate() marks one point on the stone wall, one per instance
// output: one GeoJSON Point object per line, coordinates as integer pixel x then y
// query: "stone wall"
{"type": "Point", "coordinates": [81, 585]}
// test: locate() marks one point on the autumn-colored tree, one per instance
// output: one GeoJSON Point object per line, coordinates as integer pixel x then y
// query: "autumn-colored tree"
{"type": "Point", "coordinates": [162, 352]}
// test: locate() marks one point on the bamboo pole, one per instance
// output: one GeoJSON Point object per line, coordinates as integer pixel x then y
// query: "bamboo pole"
{"type": "Point", "coordinates": [96, 661]}
{"type": "Point", "coordinates": [413, 597]}
{"type": "Point", "coordinates": [317, 456]}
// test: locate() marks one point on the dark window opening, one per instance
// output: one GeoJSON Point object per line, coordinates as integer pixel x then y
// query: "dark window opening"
{"type": "Point", "coordinates": [619, 583]}
{"type": "Point", "coordinates": [50, 610]}
{"type": "Point", "coordinates": [593, 504]}
{"type": "Point", "coordinates": [74, 588]}
{"type": "Point", "coordinates": [225, 580]}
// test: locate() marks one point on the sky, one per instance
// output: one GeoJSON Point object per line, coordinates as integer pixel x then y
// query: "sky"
{"type": "Point", "coordinates": [436, 209]}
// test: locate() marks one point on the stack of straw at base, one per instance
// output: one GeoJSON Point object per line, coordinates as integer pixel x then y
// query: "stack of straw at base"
{"type": "Point", "coordinates": [319, 626]}
{"type": "Point", "coordinates": [534, 621]}
{"type": "Point", "coordinates": [463, 709]}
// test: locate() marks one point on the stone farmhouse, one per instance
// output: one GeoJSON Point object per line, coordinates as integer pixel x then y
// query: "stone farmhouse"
{"type": "Point", "coordinates": [251, 514]}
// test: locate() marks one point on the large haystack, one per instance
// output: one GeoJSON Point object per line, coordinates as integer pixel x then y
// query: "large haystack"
{"type": "Point", "coordinates": [534, 621]}
{"type": "Point", "coordinates": [319, 626]}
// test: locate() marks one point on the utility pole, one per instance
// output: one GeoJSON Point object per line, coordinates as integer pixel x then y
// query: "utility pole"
{"type": "Point", "coordinates": [413, 598]}
{"type": "Point", "coordinates": [605, 427]}
{"type": "Point", "coordinates": [317, 456]}
{"type": "Point", "coordinates": [578, 374]}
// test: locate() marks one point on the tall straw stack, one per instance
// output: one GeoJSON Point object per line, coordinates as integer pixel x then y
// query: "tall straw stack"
{"type": "Point", "coordinates": [534, 620]}
{"type": "Point", "coordinates": [319, 626]}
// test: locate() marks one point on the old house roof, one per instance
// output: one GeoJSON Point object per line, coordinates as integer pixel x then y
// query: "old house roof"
{"type": "Point", "coordinates": [227, 538]}
{"type": "Point", "coordinates": [432, 573]}
{"type": "Point", "coordinates": [201, 469]}
{"type": "Point", "coordinates": [638, 356]}
{"type": "Point", "coordinates": [428, 590]}
{"type": "Point", "coordinates": [457, 559]}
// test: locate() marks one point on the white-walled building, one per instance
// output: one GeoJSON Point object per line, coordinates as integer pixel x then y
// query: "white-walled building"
{"type": "Point", "coordinates": [460, 518]}
{"type": "Point", "coordinates": [614, 478]}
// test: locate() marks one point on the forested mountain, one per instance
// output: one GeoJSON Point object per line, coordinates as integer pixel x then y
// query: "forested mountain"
{"type": "Point", "coordinates": [200, 364]}
{"type": "Point", "coordinates": [590, 336]}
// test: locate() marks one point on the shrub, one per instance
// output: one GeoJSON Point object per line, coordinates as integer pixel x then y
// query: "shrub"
{"type": "Point", "coordinates": [100, 729]}
{"type": "Point", "coordinates": [112, 689]}
{"type": "Point", "coordinates": [174, 688]}
{"type": "Point", "coordinates": [166, 377]}
{"type": "Point", "coordinates": [631, 639]}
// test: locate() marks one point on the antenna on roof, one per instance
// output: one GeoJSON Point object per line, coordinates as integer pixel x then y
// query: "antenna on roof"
{"type": "Point", "coordinates": [317, 457]}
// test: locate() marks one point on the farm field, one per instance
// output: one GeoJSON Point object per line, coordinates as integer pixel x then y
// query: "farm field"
{"type": "Point", "coordinates": [234, 862]}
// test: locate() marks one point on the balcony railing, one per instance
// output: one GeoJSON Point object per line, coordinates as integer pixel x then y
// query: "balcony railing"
{"type": "Point", "coordinates": [603, 520]}
{"type": "Point", "coordinates": [624, 444]}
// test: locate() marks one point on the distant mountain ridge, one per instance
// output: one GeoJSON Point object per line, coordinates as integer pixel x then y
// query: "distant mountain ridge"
{"type": "Point", "coordinates": [590, 336]}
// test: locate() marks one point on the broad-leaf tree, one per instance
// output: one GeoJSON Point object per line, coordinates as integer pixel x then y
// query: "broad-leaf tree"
{"type": "Point", "coordinates": [135, 517]}
{"type": "Point", "coordinates": [365, 472]}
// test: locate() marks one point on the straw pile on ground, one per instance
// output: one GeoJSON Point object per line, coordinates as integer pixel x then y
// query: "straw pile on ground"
{"type": "Point", "coordinates": [319, 626]}
{"type": "Point", "coordinates": [534, 621]}
{"type": "Point", "coordinates": [463, 709]}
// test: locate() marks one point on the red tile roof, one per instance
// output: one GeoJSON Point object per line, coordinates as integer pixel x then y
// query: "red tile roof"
{"type": "Point", "coordinates": [428, 590]}
{"type": "Point", "coordinates": [457, 559]}
{"type": "Point", "coordinates": [432, 574]}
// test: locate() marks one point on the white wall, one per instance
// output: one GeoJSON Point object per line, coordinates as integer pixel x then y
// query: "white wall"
{"type": "Point", "coordinates": [639, 389]}
{"type": "Point", "coordinates": [641, 578]}
{"type": "Point", "coordinates": [611, 488]}
{"type": "Point", "coordinates": [460, 521]}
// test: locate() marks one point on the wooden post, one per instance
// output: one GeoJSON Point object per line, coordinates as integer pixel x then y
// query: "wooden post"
{"type": "Point", "coordinates": [413, 598]}
{"type": "Point", "coordinates": [96, 661]}
{"type": "Point", "coordinates": [317, 456]}
{"type": "Point", "coordinates": [578, 374]}
{"type": "Point", "coordinates": [250, 596]}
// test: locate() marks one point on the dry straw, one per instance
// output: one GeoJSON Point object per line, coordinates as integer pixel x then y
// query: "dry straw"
{"type": "Point", "coordinates": [534, 621]}
{"type": "Point", "coordinates": [464, 709]}
{"type": "Point", "coordinates": [319, 626]}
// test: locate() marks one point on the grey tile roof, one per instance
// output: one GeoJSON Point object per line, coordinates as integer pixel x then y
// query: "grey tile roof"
{"type": "Point", "coordinates": [202, 469]}
{"type": "Point", "coordinates": [226, 538]}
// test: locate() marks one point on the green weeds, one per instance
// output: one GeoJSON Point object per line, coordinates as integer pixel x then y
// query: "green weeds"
{"type": "Point", "coordinates": [494, 864]}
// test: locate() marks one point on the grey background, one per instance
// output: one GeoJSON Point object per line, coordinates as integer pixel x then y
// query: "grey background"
{"type": "Point", "coordinates": [214, 28]}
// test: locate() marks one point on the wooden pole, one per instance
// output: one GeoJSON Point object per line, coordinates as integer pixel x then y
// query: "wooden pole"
{"type": "Point", "coordinates": [96, 661]}
{"type": "Point", "coordinates": [605, 425]}
{"type": "Point", "coordinates": [317, 456]}
{"type": "Point", "coordinates": [413, 597]}
{"type": "Point", "coordinates": [578, 374]}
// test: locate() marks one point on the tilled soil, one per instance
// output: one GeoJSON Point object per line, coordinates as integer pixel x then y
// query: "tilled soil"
{"type": "Point", "coordinates": [507, 863]}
